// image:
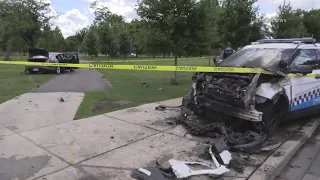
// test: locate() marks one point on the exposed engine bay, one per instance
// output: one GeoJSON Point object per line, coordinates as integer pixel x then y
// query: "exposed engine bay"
{"type": "Point", "coordinates": [231, 95]}
{"type": "Point", "coordinates": [226, 106]}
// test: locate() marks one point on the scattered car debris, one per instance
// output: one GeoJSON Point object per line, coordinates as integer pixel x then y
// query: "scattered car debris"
{"type": "Point", "coordinates": [163, 107]}
{"type": "Point", "coordinates": [235, 165]}
{"type": "Point", "coordinates": [145, 84]}
{"type": "Point", "coordinates": [151, 174]}
{"type": "Point", "coordinates": [182, 169]}
{"type": "Point", "coordinates": [61, 99]}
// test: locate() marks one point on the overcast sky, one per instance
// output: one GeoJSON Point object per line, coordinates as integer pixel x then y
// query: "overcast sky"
{"type": "Point", "coordinates": [76, 14]}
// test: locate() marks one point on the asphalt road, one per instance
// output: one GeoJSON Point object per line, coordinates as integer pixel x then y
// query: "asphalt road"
{"type": "Point", "coordinates": [305, 165]}
{"type": "Point", "coordinates": [81, 80]}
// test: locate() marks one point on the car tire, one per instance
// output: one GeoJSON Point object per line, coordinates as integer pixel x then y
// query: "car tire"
{"type": "Point", "coordinates": [58, 70]}
{"type": "Point", "coordinates": [271, 117]}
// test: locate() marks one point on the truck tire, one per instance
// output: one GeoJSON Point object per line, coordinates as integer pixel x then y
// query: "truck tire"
{"type": "Point", "coordinates": [58, 70]}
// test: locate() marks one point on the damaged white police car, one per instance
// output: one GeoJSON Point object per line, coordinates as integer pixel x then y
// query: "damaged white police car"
{"type": "Point", "coordinates": [292, 92]}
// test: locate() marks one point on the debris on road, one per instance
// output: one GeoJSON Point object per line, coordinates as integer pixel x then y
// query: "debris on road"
{"type": "Point", "coordinates": [152, 174]}
{"type": "Point", "coordinates": [184, 169]}
{"type": "Point", "coordinates": [163, 107]}
{"type": "Point", "coordinates": [145, 84]}
{"type": "Point", "coordinates": [61, 99]}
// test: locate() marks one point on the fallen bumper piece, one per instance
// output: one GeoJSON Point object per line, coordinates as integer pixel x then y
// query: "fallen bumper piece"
{"type": "Point", "coordinates": [151, 174]}
{"type": "Point", "coordinates": [183, 169]}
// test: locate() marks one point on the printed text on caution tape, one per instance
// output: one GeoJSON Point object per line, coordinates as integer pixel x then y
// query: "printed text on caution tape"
{"type": "Point", "coordinates": [146, 67]}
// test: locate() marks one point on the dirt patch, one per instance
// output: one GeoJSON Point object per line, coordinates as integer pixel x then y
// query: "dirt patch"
{"type": "Point", "coordinates": [133, 110]}
{"type": "Point", "coordinates": [99, 108]}
{"type": "Point", "coordinates": [123, 102]}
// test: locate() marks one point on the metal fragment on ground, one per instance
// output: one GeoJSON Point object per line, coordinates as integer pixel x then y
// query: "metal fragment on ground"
{"type": "Point", "coordinates": [182, 169]}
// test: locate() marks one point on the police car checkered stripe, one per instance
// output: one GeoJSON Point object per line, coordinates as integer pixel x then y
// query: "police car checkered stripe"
{"type": "Point", "coordinates": [306, 97]}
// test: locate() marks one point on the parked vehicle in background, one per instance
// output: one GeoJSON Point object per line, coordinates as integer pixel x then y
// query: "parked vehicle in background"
{"type": "Point", "coordinates": [43, 56]}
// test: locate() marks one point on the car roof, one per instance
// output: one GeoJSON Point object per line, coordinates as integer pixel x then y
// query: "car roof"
{"type": "Point", "coordinates": [283, 46]}
{"type": "Point", "coordinates": [55, 53]}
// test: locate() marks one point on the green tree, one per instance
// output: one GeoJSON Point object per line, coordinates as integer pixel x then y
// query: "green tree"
{"type": "Point", "coordinates": [239, 22]}
{"type": "Point", "coordinates": [52, 40]}
{"type": "Point", "coordinates": [124, 40]}
{"type": "Point", "coordinates": [72, 44]}
{"type": "Point", "coordinates": [80, 34]}
{"type": "Point", "coordinates": [288, 23]}
{"type": "Point", "coordinates": [179, 20]}
{"type": "Point", "coordinates": [311, 22]}
{"type": "Point", "coordinates": [212, 11]}
{"type": "Point", "coordinates": [24, 18]}
{"type": "Point", "coordinates": [107, 39]}
{"type": "Point", "coordinates": [136, 36]}
{"type": "Point", "coordinates": [91, 42]}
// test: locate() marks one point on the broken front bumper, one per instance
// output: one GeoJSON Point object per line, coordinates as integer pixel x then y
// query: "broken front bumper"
{"type": "Point", "coordinates": [250, 115]}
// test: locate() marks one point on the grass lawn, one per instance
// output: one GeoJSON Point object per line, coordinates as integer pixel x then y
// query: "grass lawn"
{"type": "Point", "coordinates": [14, 82]}
{"type": "Point", "coordinates": [127, 86]}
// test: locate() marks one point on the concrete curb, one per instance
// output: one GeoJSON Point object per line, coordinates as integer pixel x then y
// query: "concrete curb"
{"type": "Point", "coordinates": [275, 163]}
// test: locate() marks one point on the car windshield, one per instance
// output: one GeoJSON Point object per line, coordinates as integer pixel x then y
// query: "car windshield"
{"type": "Point", "coordinates": [257, 57]}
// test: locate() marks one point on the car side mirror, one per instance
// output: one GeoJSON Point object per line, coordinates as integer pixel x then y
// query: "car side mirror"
{"type": "Point", "coordinates": [302, 69]}
{"type": "Point", "coordinates": [283, 64]}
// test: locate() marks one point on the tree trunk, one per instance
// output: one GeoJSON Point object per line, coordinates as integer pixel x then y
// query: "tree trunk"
{"type": "Point", "coordinates": [8, 49]}
{"type": "Point", "coordinates": [153, 55]}
{"type": "Point", "coordinates": [164, 54]}
{"type": "Point", "coordinates": [174, 80]}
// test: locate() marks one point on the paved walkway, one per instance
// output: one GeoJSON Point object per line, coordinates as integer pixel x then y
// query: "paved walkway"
{"type": "Point", "coordinates": [104, 147]}
{"type": "Point", "coordinates": [81, 80]}
{"type": "Point", "coordinates": [305, 165]}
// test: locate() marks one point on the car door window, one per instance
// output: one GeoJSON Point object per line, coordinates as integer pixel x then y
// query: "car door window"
{"type": "Point", "coordinates": [58, 57]}
{"type": "Point", "coordinates": [306, 57]}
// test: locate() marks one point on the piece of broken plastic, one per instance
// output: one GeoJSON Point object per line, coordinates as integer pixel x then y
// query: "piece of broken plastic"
{"type": "Point", "coordinates": [146, 172]}
{"type": "Point", "coordinates": [226, 156]}
{"type": "Point", "coordinates": [182, 170]}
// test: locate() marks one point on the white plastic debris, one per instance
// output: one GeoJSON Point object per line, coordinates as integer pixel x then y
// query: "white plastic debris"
{"type": "Point", "coordinates": [148, 173]}
{"type": "Point", "coordinates": [226, 156]}
{"type": "Point", "coordinates": [182, 170]}
{"type": "Point", "coordinates": [213, 157]}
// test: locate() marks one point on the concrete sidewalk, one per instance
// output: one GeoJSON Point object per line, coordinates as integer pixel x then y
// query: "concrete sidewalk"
{"type": "Point", "coordinates": [108, 146]}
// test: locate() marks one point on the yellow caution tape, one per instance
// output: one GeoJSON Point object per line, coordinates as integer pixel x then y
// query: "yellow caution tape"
{"type": "Point", "coordinates": [72, 152]}
{"type": "Point", "coordinates": [147, 67]}
{"type": "Point", "coordinates": [145, 60]}
{"type": "Point", "coordinates": [301, 75]}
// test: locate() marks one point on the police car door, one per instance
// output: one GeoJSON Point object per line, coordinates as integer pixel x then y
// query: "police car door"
{"type": "Point", "coordinates": [305, 89]}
